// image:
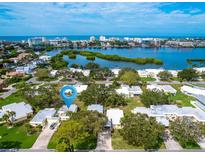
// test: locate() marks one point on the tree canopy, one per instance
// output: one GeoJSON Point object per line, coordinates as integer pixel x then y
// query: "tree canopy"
{"type": "Point", "coordinates": [42, 96]}
{"type": "Point", "coordinates": [129, 76]}
{"type": "Point", "coordinates": [102, 95]}
{"type": "Point", "coordinates": [188, 74]}
{"type": "Point", "coordinates": [142, 131]}
{"type": "Point", "coordinates": [186, 131]}
{"type": "Point", "coordinates": [42, 73]}
{"type": "Point", "coordinates": [80, 131]}
{"type": "Point", "coordinates": [165, 75]}
{"type": "Point", "coordinates": [154, 97]}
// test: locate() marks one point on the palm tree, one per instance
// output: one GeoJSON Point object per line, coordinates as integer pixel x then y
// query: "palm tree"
{"type": "Point", "coordinates": [11, 114]}
{"type": "Point", "coordinates": [9, 117]}
{"type": "Point", "coordinates": [5, 118]}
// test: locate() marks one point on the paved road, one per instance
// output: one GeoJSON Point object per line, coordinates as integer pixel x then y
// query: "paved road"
{"type": "Point", "coordinates": [104, 142]}
{"type": "Point", "coordinates": [10, 91]}
{"type": "Point", "coordinates": [170, 143]}
{"type": "Point", "coordinates": [44, 138]}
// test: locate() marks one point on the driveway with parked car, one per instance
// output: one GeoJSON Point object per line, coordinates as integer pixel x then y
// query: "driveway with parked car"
{"type": "Point", "coordinates": [45, 136]}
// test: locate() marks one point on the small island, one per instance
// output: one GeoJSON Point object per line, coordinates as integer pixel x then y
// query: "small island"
{"type": "Point", "coordinates": [92, 55]}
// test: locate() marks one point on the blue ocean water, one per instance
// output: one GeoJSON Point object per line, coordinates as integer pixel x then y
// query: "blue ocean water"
{"type": "Point", "coordinates": [76, 37]}
{"type": "Point", "coordinates": [173, 58]}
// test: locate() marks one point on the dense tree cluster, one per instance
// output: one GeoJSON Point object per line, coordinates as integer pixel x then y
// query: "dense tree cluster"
{"type": "Point", "coordinates": [101, 73]}
{"type": "Point", "coordinates": [142, 131]}
{"type": "Point", "coordinates": [186, 131]}
{"type": "Point", "coordinates": [102, 95]}
{"type": "Point", "coordinates": [129, 76]}
{"type": "Point", "coordinates": [188, 74]}
{"type": "Point", "coordinates": [165, 75]}
{"type": "Point", "coordinates": [41, 97]}
{"type": "Point", "coordinates": [154, 97]}
{"type": "Point", "coordinates": [80, 131]}
{"type": "Point", "coordinates": [42, 73]}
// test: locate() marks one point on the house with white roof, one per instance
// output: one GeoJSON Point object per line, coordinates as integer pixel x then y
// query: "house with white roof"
{"type": "Point", "coordinates": [80, 88]}
{"type": "Point", "coordinates": [164, 113]}
{"type": "Point", "coordinates": [85, 72]}
{"type": "Point", "coordinates": [200, 69]}
{"type": "Point", "coordinates": [164, 88]}
{"type": "Point", "coordinates": [149, 72]}
{"type": "Point", "coordinates": [43, 116]}
{"type": "Point", "coordinates": [114, 116]}
{"type": "Point", "coordinates": [95, 107]}
{"type": "Point", "coordinates": [193, 91]}
{"type": "Point", "coordinates": [45, 57]}
{"type": "Point", "coordinates": [62, 112]}
{"type": "Point", "coordinates": [53, 73]}
{"type": "Point", "coordinates": [22, 111]}
{"type": "Point", "coordinates": [129, 91]}
{"type": "Point", "coordinates": [115, 71]}
{"type": "Point", "coordinates": [173, 72]}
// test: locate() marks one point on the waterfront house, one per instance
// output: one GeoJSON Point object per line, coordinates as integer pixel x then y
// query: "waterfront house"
{"type": "Point", "coordinates": [115, 71]}
{"type": "Point", "coordinates": [95, 107]}
{"type": "Point", "coordinates": [114, 116]}
{"type": "Point", "coordinates": [22, 111]}
{"type": "Point", "coordinates": [45, 58]}
{"type": "Point", "coordinates": [85, 72]}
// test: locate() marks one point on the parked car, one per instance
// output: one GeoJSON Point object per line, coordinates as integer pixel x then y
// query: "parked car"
{"type": "Point", "coordinates": [53, 125]}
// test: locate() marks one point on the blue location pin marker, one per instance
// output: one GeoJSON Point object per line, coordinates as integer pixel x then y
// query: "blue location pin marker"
{"type": "Point", "coordinates": [68, 94]}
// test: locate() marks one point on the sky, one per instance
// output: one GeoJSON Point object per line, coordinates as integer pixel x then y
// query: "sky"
{"type": "Point", "coordinates": [142, 19]}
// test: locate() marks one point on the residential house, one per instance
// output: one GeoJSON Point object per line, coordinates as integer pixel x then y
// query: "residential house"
{"type": "Point", "coordinates": [115, 71]}
{"type": "Point", "coordinates": [95, 107]}
{"type": "Point", "coordinates": [164, 88]}
{"type": "Point", "coordinates": [22, 111]}
{"type": "Point", "coordinates": [129, 91]}
{"type": "Point", "coordinates": [114, 116]}
{"type": "Point", "coordinates": [166, 113]}
{"type": "Point", "coordinates": [80, 88]}
{"type": "Point", "coordinates": [43, 116]}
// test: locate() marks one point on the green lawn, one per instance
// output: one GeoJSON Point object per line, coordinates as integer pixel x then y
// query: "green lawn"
{"type": "Point", "coordinates": [52, 144]}
{"type": "Point", "coordinates": [131, 104]}
{"type": "Point", "coordinates": [147, 79]}
{"type": "Point", "coordinates": [15, 97]}
{"type": "Point", "coordinates": [190, 145]}
{"type": "Point", "coordinates": [180, 98]}
{"type": "Point", "coordinates": [119, 143]}
{"type": "Point", "coordinates": [16, 137]}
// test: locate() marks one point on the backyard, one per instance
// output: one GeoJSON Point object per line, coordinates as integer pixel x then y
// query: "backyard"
{"type": "Point", "coordinates": [180, 98]}
{"type": "Point", "coordinates": [119, 143]}
{"type": "Point", "coordinates": [16, 137]}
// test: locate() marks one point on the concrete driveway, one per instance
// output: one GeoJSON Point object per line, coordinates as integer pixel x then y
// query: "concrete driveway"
{"type": "Point", "coordinates": [170, 143]}
{"type": "Point", "coordinates": [44, 138]}
{"type": "Point", "coordinates": [104, 142]}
